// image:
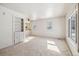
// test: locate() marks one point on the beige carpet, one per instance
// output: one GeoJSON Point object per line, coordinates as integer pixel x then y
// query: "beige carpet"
{"type": "Point", "coordinates": [38, 46]}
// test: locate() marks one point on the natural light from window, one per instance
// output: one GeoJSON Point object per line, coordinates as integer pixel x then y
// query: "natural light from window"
{"type": "Point", "coordinates": [51, 45]}
{"type": "Point", "coordinates": [28, 39]}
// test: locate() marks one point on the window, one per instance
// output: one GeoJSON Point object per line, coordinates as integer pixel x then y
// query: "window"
{"type": "Point", "coordinates": [72, 27]}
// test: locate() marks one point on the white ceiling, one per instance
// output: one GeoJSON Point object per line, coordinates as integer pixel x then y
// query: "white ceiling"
{"type": "Point", "coordinates": [39, 10]}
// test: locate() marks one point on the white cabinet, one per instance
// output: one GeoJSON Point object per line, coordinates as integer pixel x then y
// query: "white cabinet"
{"type": "Point", "coordinates": [19, 36]}
{"type": "Point", "coordinates": [10, 27]}
{"type": "Point", "coordinates": [17, 30]}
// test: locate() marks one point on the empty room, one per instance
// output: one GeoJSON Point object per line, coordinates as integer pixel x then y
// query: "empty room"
{"type": "Point", "coordinates": [39, 29]}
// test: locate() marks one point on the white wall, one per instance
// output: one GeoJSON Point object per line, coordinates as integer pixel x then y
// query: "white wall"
{"type": "Point", "coordinates": [57, 31]}
{"type": "Point", "coordinates": [6, 29]}
{"type": "Point", "coordinates": [73, 46]}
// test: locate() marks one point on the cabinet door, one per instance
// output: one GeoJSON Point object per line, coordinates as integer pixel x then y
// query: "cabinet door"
{"type": "Point", "coordinates": [17, 24]}
{"type": "Point", "coordinates": [21, 36]}
{"type": "Point", "coordinates": [16, 29]}
{"type": "Point", "coordinates": [5, 28]}
{"type": "Point", "coordinates": [17, 37]}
